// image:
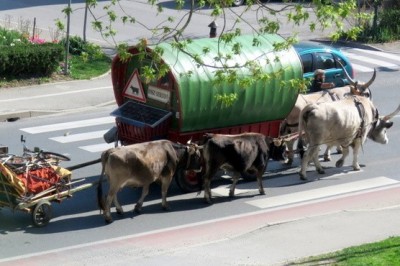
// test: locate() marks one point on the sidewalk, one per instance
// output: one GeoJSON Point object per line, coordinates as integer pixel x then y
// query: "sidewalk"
{"type": "Point", "coordinates": [50, 98]}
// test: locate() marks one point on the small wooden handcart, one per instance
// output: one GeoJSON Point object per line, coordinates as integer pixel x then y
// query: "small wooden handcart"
{"type": "Point", "coordinates": [32, 181]}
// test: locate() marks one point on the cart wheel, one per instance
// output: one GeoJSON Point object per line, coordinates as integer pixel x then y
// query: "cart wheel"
{"type": "Point", "coordinates": [53, 155]}
{"type": "Point", "coordinates": [41, 214]}
{"type": "Point", "coordinates": [188, 181]}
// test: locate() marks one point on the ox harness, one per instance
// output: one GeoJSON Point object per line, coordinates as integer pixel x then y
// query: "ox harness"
{"type": "Point", "coordinates": [334, 98]}
{"type": "Point", "coordinates": [361, 112]}
{"type": "Point", "coordinates": [333, 95]}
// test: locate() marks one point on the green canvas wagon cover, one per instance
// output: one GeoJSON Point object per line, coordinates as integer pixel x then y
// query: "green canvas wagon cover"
{"type": "Point", "coordinates": [188, 93]}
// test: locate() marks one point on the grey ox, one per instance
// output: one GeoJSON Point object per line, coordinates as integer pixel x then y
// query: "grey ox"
{"type": "Point", "coordinates": [290, 125]}
{"type": "Point", "coordinates": [141, 164]}
{"type": "Point", "coordinates": [245, 153]}
{"type": "Point", "coordinates": [347, 122]}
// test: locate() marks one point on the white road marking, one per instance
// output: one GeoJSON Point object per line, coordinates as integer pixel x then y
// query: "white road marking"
{"type": "Point", "coordinates": [69, 125]}
{"type": "Point", "coordinates": [360, 68]}
{"type": "Point", "coordinates": [224, 190]}
{"type": "Point", "coordinates": [53, 94]}
{"type": "Point", "coordinates": [370, 60]}
{"type": "Point", "coordinates": [380, 54]}
{"type": "Point", "coordinates": [80, 137]}
{"type": "Point", "coordinates": [324, 192]}
{"type": "Point", "coordinates": [97, 147]}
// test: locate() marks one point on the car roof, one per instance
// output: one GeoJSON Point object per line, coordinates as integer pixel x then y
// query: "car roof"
{"type": "Point", "coordinates": [313, 46]}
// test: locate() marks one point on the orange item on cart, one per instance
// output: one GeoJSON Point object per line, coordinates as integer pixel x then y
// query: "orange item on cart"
{"type": "Point", "coordinates": [40, 179]}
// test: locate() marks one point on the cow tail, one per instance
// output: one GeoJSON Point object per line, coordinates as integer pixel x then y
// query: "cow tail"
{"type": "Point", "coordinates": [301, 145]}
{"type": "Point", "coordinates": [100, 199]}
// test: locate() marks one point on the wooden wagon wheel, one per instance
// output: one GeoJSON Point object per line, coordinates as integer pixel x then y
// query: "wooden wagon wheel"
{"type": "Point", "coordinates": [188, 181]}
{"type": "Point", "coordinates": [41, 213]}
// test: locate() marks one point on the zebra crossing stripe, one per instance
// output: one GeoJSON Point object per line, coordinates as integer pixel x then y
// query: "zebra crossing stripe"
{"type": "Point", "coordinates": [324, 192]}
{"type": "Point", "coordinates": [360, 68]}
{"type": "Point", "coordinates": [80, 137]}
{"type": "Point", "coordinates": [70, 125]}
{"type": "Point", "coordinates": [380, 54]}
{"type": "Point", "coordinates": [371, 60]}
{"type": "Point", "coordinates": [97, 147]}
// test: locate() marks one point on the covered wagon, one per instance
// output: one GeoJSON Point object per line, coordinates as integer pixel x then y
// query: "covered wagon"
{"type": "Point", "coordinates": [184, 103]}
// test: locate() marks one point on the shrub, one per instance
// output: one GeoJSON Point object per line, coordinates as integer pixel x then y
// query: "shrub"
{"type": "Point", "coordinates": [390, 20]}
{"type": "Point", "coordinates": [77, 46]}
{"type": "Point", "coordinates": [387, 30]}
{"type": "Point", "coordinates": [30, 60]}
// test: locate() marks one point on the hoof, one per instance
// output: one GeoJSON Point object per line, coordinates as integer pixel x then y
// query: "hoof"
{"type": "Point", "coordinates": [208, 201]}
{"type": "Point", "coordinates": [108, 221]}
{"type": "Point", "coordinates": [339, 163]}
{"type": "Point", "coordinates": [303, 177]}
{"type": "Point", "coordinates": [120, 212]}
{"type": "Point", "coordinates": [321, 171]}
{"type": "Point", "coordinates": [166, 208]}
{"type": "Point", "coordinates": [288, 162]}
{"type": "Point", "coordinates": [327, 159]}
{"type": "Point", "coordinates": [262, 192]}
{"type": "Point", "coordinates": [137, 209]}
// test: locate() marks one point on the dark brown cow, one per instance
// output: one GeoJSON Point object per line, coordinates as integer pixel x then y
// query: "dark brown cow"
{"type": "Point", "coordinates": [242, 154]}
{"type": "Point", "coordinates": [139, 165]}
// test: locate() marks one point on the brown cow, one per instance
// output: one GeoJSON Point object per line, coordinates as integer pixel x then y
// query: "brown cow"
{"type": "Point", "coordinates": [141, 164]}
{"type": "Point", "coordinates": [245, 153]}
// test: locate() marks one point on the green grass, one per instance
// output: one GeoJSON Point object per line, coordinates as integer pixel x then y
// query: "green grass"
{"type": "Point", "coordinates": [386, 252]}
{"type": "Point", "coordinates": [81, 69]}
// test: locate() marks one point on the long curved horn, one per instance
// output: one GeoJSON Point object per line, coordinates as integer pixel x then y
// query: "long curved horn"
{"type": "Point", "coordinates": [366, 85]}
{"type": "Point", "coordinates": [351, 81]}
{"type": "Point", "coordinates": [390, 116]}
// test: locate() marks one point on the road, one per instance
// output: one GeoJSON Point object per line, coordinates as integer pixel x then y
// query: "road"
{"type": "Point", "coordinates": [22, 12]}
{"type": "Point", "coordinates": [77, 221]}
{"type": "Point", "coordinates": [77, 225]}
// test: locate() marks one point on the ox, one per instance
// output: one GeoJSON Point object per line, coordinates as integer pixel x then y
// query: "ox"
{"type": "Point", "coordinates": [141, 164]}
{"type": "Point", "coordinates": [347, 122]}
{"type": "Point", "coordinates": [291, 123]}
{"type": "Point", "coordinates": [242, 154]}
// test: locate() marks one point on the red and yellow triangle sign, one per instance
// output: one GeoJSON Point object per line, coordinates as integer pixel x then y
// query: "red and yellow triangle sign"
{"type": "Point", "coordinates": [134, 88]}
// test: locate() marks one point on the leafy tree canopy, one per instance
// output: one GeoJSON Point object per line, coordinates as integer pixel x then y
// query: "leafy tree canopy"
{"type": "Point", "coordinates": [337, 16]}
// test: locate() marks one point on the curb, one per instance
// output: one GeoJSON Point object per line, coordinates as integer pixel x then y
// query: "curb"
{"type": "Point", "coordinates": [14, 116]}
{"type": "Point", "coordinates": [360, 45]}
{"type": "Point", "coordinates": [348, 43]}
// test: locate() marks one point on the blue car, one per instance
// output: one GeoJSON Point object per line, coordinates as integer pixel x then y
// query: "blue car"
{"type": "Point", "coordinates": [317, 56]}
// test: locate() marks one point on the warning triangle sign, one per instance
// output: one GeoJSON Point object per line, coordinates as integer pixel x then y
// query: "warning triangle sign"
{"type": "Point", "coordinates": [134, 88]}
